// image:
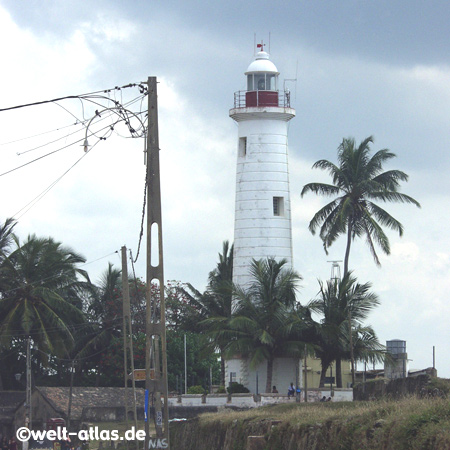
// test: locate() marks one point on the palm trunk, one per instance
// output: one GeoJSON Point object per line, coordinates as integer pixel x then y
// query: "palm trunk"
{"type": "Point", "coordinates": [347, 256]}
{"type": "Point", "coordinates": [338, 373]}
{"type": "Point", "coordinates": [323, 373]}
{"type": "Point", "coordinates": [222, 368]}
{"type": "Point", "coordinates": [352, 357]}
{"type": "Point", "coordinates": [347, 249]}
{"type": "Point", "coordinates": [269, 374]}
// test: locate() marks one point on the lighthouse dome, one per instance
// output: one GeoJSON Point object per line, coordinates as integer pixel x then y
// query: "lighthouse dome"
{"type": "Point", "coordinates": [262, 63]}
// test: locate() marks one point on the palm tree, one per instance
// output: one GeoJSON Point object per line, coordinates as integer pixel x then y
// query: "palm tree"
{"type": "Point", "coordinates": [105, 319]}
{"type": "Point", "coordinates": [6, 235]}
{"type": "Point", "coordinates": [260, 327]}
{"type": "Point", "coordinates": [212, 309]}
{"type": "Point", "coordinates": [40, 290]}
{"type": "Point", "coordinates": [358, 181]}
{"type": "Point", "coordinates": [336, 301]}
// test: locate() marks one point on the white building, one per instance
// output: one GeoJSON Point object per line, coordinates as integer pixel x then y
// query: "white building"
{"type": "Point", "coordinates": [262, 225]}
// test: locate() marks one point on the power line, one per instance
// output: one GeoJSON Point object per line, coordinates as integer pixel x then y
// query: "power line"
{"type": "Point", "coordinates": [43, 133]}
{"type": "Point", "coordinates": [48, 188]}
{"type": "Point", "coordinates": [108, 127]}
{"type": "Point", "coordinates": [141, 86]}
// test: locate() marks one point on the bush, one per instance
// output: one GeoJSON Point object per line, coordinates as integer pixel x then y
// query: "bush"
{"type": "Point", "coordinates": [237, 388]}
{"type": "Point", "coordinates": [196, 390]}
{"type": "Point", "coordinates": [221, 390]}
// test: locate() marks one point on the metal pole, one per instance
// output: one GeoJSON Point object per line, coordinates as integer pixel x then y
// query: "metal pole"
{"type": "Point", "coordinates": [306, 376]}
{"type": "Point", "coordinates": [185, 365]}
{"type": "Point", "coordinates": [210, 379]}
{"type": "Point", "coordinates": [364, 378]}
{"type": "Point", "coordinates": [29, 392]}
{"type": "Point", "coordinates": [69, 409]}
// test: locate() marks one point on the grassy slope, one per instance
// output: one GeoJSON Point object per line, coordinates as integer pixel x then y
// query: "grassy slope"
{"type": "Point", "coordinates": [410, 423]}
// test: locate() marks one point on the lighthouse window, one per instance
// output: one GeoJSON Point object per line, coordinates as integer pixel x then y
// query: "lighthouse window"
{"type": "Point", "coordinates": [270, 83]}
{"type": "Point", "coordinates": [250, 83]}
{"type": "Point", "coordinates": [260, 82]}
{"type": "Point", "coordinates": [242, 146]}
{"type": "Point", "coordinates": [278, 206]}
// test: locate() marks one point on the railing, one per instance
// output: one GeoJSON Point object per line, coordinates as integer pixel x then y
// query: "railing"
{"type": "Point", "coordinates": [248, 99]}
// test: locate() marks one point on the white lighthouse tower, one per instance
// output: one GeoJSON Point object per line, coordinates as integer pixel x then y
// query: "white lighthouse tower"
{"type": "Point", "coordinates": [262, 226]}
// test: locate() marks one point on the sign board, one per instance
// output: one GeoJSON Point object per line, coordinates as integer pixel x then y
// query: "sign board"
{"type": "Point", "coordinates": [139, 374]}
{"type": "Point", "coordinates": [329, 380]}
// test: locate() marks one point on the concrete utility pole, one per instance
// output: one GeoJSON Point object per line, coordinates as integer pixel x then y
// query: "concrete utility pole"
{"type": "Point", "coordinates": [128, 358]}
{"type": "Point", "coordinates": [155, 318]}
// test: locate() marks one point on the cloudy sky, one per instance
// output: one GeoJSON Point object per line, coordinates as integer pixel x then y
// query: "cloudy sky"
{"type": "Point", "coordinates": [363, 68]}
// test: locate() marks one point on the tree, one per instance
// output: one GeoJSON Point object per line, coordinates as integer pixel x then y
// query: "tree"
{"type": "Point", "coordinates": [40, 294]}
{"type": "Point", "coordinates": [6, 236]}
{"type": "Point", "coordinates": [336, 301]}
{"type": "Point", "coordinates": [105, 316]}
{"type": "Point", "coordinates": [212, 309]}
{"type": "Point", "coordinates": [261, 323]}
{"type": "Point", "coordinates": [358, 181]}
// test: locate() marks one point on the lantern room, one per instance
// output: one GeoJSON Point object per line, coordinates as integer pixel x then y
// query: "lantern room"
{"type": "Point", "coordinates": [262, 82]}
{"type": "Point", "coordinates": [262, 75]}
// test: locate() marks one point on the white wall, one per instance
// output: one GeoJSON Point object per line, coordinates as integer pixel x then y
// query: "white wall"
{"type": "Point", "coordinates": [283, 374]}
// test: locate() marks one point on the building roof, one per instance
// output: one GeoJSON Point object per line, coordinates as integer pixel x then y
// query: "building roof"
{"type": "Point", "coordinates": [262, 63]}
{"type": "Point", "coordinates": [88, 397]}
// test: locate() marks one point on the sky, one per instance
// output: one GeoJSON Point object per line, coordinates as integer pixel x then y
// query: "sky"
{"type": "Point", "coordinates": [354, 68]}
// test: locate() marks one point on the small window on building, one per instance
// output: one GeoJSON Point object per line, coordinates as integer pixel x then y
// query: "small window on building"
{"type": "Point", "coordinates": [242, 146]}
{"type": "Point", "coordinates": [233, 377]}
{"type": "Point", "coordinates": [278, 206]}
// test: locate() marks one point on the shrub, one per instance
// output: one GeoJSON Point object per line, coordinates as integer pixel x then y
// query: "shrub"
{"type": "Point", "coordinates": [237, 388]}
{"type": "Point", "coordinates": [221, 390]}
{"type": "Point", "coordinates": [196, 390]}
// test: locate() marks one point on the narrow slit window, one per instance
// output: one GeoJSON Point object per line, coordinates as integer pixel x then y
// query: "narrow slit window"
{"type": "Point", "coordinates": [242, 146]}
{"type": "Point", "coordinates": [278, 206]}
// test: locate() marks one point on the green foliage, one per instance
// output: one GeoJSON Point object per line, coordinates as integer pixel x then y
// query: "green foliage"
{"type": "Point", "coordinates": [41, 295]}
{"type": "Point", "coordinates": [237, 388]}
{"type": "Point", "coordinates": [196, 390]}
{"type": "Point", "coordinates": [336, 300]}
{"type": "Point", "coordinates": [221, 390]}
{"type": "Point", "coordinates": [261, 325]}
{"type": "Point", "coordinates": [210, 311]}
{"type": "Point", "coordinates": [358, 182]}
{"type": "Point", "coordinates": [200, 359]}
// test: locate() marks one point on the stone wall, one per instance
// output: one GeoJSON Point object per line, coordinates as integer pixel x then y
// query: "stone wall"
{"type": "Point", "coordinates": [400, 387]}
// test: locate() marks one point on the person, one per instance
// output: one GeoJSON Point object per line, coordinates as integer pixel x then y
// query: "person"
{"type": "Point", "coordinates": [12, 444]}
{"type": "Point", "coordinates": [329, 399]}
{"type": "Point", "coordinates": [4, 444]}
{"type": "Point", "coordinates": [291, 390]}
{"type": "Point", "coordinates": [323, 399]}
{"type": "Point", "coordinates": [274, 390]}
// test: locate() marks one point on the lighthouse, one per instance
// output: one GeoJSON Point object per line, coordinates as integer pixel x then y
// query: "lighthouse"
{"type": "Point", "coordinates": [262, 224]}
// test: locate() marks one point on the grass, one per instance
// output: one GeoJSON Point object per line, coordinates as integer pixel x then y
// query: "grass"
{"type": "Point", "coordinates": [409, 423]}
